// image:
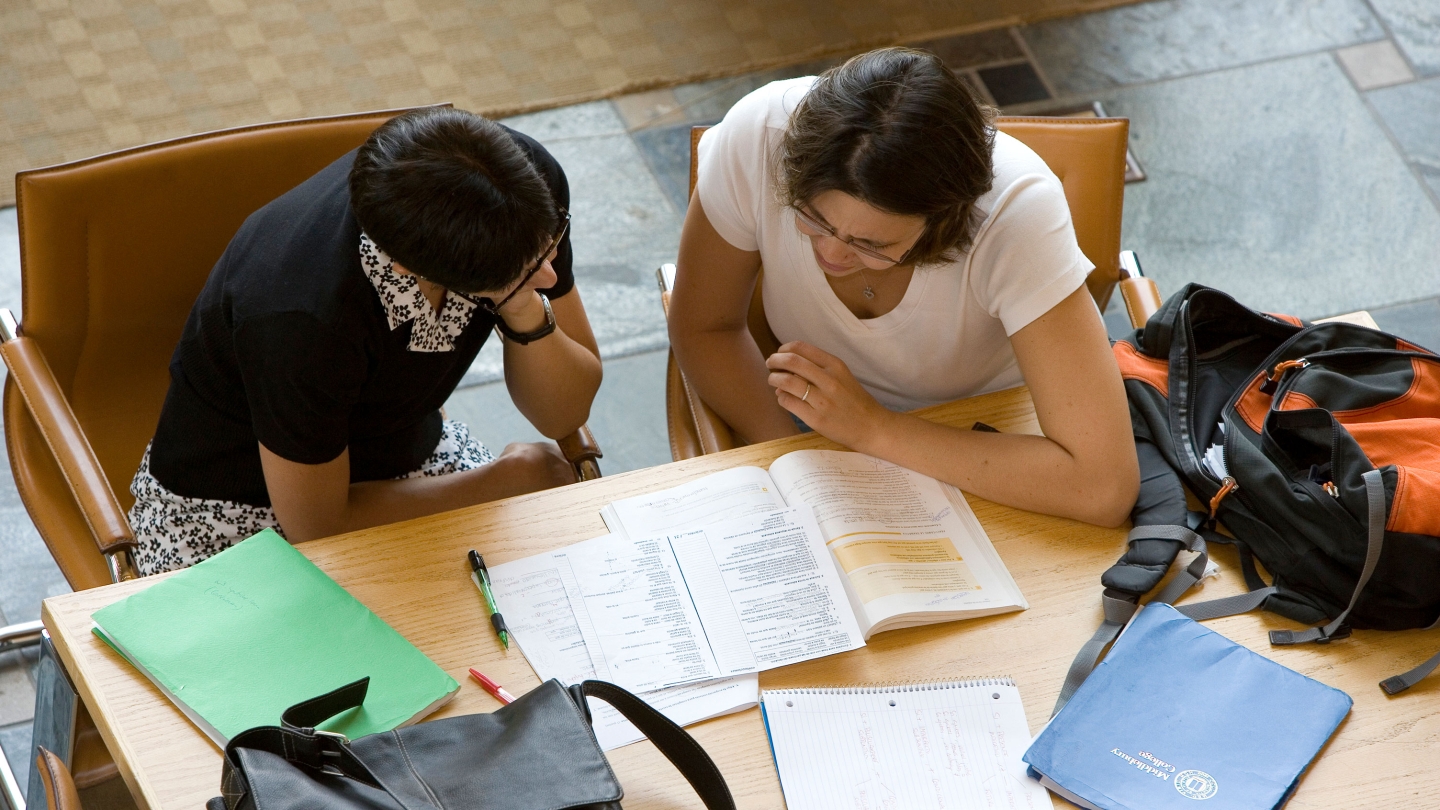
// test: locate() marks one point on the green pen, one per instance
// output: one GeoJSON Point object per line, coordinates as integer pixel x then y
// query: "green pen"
{"type": "Point", "coordinates": [481, 577]}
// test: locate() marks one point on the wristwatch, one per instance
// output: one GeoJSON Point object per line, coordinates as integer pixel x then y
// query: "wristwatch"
{"type": "Point", "coordinates": [524, 338]}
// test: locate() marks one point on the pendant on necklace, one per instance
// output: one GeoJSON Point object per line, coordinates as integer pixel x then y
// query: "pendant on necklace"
{"type": "Point", "coordinates": [868, 293]}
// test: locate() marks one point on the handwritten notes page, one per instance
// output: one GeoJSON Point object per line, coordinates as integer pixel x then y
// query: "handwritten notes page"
{"type": "Point", "coordinates": [741, 596]}
{"type": "Point", "coordinates": [948, 745]}
{"type": "Point", "coordinates": [533, 596]}
{"type": "Point", "coordinates": [909, 545]}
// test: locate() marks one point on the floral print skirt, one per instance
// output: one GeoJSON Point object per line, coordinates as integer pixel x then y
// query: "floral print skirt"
{"type": "Point", "coordinates": [174, 531]}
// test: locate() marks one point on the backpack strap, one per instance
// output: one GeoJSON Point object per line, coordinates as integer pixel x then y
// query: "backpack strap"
{"type": "Point", "coordinates": [1121, 603]}
{"type": "Point", "coordinates": [1375, 497]}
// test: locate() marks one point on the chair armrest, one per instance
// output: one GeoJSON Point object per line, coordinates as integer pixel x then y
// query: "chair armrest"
{"type": "Point", "coordinates": [1141, 296]}
{"type": "Point", "coordinates": [582, 451]}
{"type": "Point", "coordinates": [52, 414]}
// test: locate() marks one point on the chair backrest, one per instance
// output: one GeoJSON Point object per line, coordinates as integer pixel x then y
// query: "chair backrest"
{"type": "Point", "coordinates": [113, 252]}
{"type": "Point", "coordinates": [1086, 154]}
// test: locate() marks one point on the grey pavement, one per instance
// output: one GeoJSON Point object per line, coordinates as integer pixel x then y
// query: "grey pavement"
{"type": "Point", "coordinates": [1292, 160]}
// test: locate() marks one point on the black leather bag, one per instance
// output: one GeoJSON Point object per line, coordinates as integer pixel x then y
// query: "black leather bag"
{"type": "Point", "coordinates": [538, 753]}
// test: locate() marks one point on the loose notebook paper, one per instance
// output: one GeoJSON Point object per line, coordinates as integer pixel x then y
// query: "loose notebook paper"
{"type": "Point", "coordinates": [953, 745]}
{"type": "Point", "coordinates": [237, 639]}
{"type": "Point", "coordinates": [1177, 716]}
{"type": "Point", "coordinates": [531, 593]}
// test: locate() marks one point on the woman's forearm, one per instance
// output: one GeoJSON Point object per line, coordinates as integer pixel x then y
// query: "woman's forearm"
{"type": "Point", "coordinates": [1024, 471]}
{"type": "Point", "coordinates": [727, 371]}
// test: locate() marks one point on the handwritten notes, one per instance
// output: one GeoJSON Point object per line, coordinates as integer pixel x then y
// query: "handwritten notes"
{"type": "Point", "coordinates": [948, 745]}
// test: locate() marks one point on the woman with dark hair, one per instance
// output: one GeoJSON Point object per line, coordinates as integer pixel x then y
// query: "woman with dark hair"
{"type": "Point", "coordinates": [913, 255]}
{"type": "Point", "coordinates": [305, 392]}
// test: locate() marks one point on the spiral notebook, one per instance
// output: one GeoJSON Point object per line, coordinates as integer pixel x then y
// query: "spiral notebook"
{"type": "Point", "coordinates": [950, 745]}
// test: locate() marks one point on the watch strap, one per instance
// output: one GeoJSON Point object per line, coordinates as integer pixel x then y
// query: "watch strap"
{"type": "Point", "coordinates": [524, 338]}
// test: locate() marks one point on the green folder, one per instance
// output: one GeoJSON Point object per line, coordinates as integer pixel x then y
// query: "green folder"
{"type": "Point", "coordinates": [237, 639]}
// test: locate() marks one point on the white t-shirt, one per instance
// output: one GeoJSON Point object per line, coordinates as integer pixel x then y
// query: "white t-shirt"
{"type": "Point", "coordinates": [949, 336]}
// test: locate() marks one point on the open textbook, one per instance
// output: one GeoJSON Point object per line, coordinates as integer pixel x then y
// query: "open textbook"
{"type": "Point", "coordinates": [908, 547]}
{"type": "Point", "coordinates": [732, 598]}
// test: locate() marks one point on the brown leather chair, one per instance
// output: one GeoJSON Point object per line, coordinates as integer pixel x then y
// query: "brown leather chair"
{"type": "Point", "coordinates": [60, 793]}
{"type": "Point", "coordinates": [113, 252]}
{"type": "Point", "coordinates": [1088, 155]}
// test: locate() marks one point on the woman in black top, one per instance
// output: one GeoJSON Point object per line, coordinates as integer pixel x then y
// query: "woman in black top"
{"type": "Point", "coordinates": [306, 388]}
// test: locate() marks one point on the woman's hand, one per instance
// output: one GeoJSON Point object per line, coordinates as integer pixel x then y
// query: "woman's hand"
{"type": "Point", "coordinates": [837, 406]}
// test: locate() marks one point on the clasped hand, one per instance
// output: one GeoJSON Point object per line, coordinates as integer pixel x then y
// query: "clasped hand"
{"type": "Point", "coordinates": [837, 406]}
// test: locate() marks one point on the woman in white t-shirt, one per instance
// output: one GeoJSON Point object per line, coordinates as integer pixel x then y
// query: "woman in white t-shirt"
{"type": "Point", "coordinates": [913, 255]}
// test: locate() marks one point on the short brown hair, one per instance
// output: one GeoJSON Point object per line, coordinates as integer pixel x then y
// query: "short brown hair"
{"type": "Point", "coordinates": [895, 129]}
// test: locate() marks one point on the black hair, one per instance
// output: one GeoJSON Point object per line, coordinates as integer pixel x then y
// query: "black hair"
{"type": "Point", "coordinates": [453, 198]}
{"type": "Point", "coordinates": [895, 129]}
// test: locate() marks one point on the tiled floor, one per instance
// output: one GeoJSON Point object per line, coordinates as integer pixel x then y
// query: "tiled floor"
{"type": "Point", "coordinates": [1291, 154]}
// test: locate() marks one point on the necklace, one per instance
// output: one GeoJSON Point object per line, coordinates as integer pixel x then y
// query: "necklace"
{"type": "Point", "coordinates": [869, 291]}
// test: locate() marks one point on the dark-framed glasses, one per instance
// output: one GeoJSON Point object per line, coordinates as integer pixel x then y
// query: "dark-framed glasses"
{"type": "Point", "coordinates": [493, 307]}
{"type": "Point", "coordinates": [869, 256]}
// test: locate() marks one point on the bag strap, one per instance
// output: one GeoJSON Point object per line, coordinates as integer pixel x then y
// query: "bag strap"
{"type": "Point", "coordinates": [1121, 604]}
{"type": "Point", "coordinates": [299, 742]}
{"type": "Point", "coordinates": [673, 741]}
{"type": "Point", "coordinates": [1375, 498]}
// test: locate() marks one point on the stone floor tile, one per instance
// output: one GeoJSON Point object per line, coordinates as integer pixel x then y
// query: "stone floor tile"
{"type": "Point", "coordinates": [576, 121]}
{"type": "Point", "coordinates": [1375, 64]}
{"type": "Point", "coordinates": [9, 260]}
{"type": "Point", "coordinates": [666, 151]}
{"type": "Point", "coordinates": [1412, 112]}
{"type": "Point", "coordinates": [973, 50]}
{"type": "Point", "coordinates": [28, 574]}
{"type": "Point", "coordinates": [1162, 40]}
{"type": "Point", "coordinates": [1416, 321]}
{"type": "Point", "coordinates": [1416, 27]}
{"type": "Point", "coordinates": [1273, 182]}
{"type": "Point", "coordinates": [623, 227]}
{"type": "Point", "coordinates": [638, 110]}
{"type": "Point", "coordinates": [1013, 84]}
{"type": "Point", "coordinates": [628, 417]}
{"type": "Point", "coordinates": [17, 691]}
{"type": "Point", "coordinates": [15, 742]}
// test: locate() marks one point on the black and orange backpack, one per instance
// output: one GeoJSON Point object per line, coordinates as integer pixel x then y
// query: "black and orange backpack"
{"type": "Point", "coordinates": [1317, 446]}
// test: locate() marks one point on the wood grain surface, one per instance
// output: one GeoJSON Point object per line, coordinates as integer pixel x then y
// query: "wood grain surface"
{"type": "Point", "coordinates": [414, 576]}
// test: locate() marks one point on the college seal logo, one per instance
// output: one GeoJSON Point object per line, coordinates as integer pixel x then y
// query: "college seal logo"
{"type": "Point", "coordinates": [1196, 784]}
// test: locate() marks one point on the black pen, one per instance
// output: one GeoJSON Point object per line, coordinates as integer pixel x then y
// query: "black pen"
{"type": "Point", "coordinates": [481, 577]}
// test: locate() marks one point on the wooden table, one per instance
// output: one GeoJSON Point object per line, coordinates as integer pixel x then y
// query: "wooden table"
{"type": "Point", "coordinates": [414, 576]}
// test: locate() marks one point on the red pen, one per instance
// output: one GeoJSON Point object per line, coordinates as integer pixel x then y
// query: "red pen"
{"type": "Point", "coordinates": [492, 687]}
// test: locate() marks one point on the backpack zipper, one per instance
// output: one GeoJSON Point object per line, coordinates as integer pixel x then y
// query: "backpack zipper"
{"type": "Point", "coordinates": [1278, 372]}
{"type": "Point", "coordinates": [1226, 487]}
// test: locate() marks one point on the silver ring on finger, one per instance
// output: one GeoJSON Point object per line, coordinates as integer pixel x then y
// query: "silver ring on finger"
{"type": "Point", "coordinates": [805, 395]}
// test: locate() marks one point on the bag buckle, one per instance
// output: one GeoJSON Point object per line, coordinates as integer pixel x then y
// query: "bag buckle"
{"type": "Point", "coordinates": [328, 753]}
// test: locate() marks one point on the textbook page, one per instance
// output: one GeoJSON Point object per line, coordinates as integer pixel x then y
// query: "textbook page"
{"type": "Point", "coordinates": [726, 495]}
{"type": "Point", "coordinates": [532, 596]}
{"type": "Point", "coordinates": [909, 545]}
{"type": "Point", "coordinates": [736, 597]}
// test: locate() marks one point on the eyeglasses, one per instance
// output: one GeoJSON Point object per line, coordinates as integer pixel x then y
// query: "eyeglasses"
{"type": "Point", "coordinates": [494, 308]}
{"type": "Point", "coordinates": [870, 257]}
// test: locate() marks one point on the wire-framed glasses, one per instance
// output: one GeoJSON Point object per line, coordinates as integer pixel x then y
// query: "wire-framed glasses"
{"type": "Point", "coordinates": [493, 307]}
{"type": "Point", "coordinates": [869, 256]}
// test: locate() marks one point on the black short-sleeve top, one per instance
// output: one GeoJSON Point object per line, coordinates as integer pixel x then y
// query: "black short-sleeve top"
{"type": "Point", "coordinates": [305, 340]}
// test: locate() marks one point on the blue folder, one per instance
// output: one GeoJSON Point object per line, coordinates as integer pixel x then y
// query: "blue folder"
{"type": "Point", "coordinates": [1178, 716]}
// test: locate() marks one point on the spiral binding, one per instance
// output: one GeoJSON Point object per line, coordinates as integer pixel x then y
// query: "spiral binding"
{"type": "Point", "coordinates": [888, 688]}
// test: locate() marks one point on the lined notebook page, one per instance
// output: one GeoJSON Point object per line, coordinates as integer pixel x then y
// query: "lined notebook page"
{"type": "Point", "coordinates": [943, 745]}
